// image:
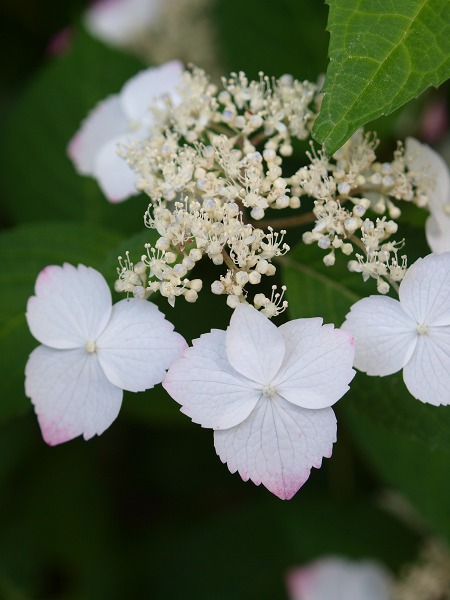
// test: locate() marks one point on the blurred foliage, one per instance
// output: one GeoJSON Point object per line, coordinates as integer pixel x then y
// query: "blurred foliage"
{"type": "Point", "coordinates": [147, 510]}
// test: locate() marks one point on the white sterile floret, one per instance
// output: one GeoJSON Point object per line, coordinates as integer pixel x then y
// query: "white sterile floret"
{"type": "Point", "coordinates": [267, 393]}
{"type": "Point", "coordinates": [118, 22]}
{"type": "Point", "coordinates": [412, 334]}
{"type": "Point", "coordinates": [333, 578]}
{"type": "Point", "coordinates": [118, 121]}
{"type": "Point", "coordinates": [423, 160]}
{"type": "Point", "coordinates": [91, 351]}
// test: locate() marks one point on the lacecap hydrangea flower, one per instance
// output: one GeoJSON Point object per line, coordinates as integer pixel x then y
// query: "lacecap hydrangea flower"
{"type": "Point", "coordinates": [266, 392]}
{"type": "Point", "coordinates": [422, 158]}
{"type": "Point", "coordinates": [334, 578]}
{"type": "Point", "coordinates": [412, 334]}
{"type": "Point", "coordinates": [91, 351]}
{"type": "Point", "coordinates": [119, 120]}
{"type": "Point", "coordinates": [118, 22]}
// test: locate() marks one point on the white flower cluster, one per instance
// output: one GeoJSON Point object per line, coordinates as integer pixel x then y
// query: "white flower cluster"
{"type": "Point", "coordinates": [212, 162]}
{"type": "Point", "coordinates": [349, 184]}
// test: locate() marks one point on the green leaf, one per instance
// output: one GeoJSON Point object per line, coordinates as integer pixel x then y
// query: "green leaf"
{"type": "Point", "coordinates": [25, 251]}
{"type": "Point", "coordinates": [329, 292]}
{"type": "Point", "coordinates": [382, 54]}
{"type": "Point", "coordinates": [39, 182]}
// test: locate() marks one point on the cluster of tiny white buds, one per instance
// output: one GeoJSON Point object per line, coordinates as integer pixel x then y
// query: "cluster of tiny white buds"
{"type": "Point", "coordinates": [344, 189]}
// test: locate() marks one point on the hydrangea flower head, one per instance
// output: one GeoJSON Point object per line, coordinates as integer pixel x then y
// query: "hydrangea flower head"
{"type": "Point", "coordinates": [120, 119]}
{"type": "Point", "coordinates": [412, 334]}
{"type": "Point", "coordinates": [266, 392]}
{"type": "Point", "coordinates": [425, 159]}
{"type": "Point", "coordinates": [91, 351]}
{"type": "Point", "coordinates": [339, 579]}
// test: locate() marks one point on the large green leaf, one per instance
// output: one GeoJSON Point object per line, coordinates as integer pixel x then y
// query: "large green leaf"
{"type": "Point", "coordinates": [316, 290]}
{"type": "Point", "coordinates": [25, 251]}
{"type": "Point", "coordinates": [382, 54]}
{"type": "Point", "coordinates": [39, 182]}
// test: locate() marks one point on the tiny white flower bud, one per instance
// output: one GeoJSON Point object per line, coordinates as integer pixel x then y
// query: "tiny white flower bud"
{"type": "Point", "coordinates": [271, 270]}
{"type": "Point", "coordinates": [308, 237]}
{"type": "Point", "coordinates": [195, 254]}
{"type": "Point", "coordinates": [282, 201]}
{"type": "Point", "coordinates": [162, 244]}
{"type": "Point", "coordinates": [347, 249]}
{"type": "Point", "coordinates": [257, 213]}
{"type": "Point", "coordinates": [382, 287]}
{"type": "Point", "coordinates": [232, 301]}
{"type": "Point", "coordinates": [286, 150]}
{"type": "Point", "coordinates": [195, 284]}
{"type": "Point", "coordinates": [262, 265]}
{"type": "Point", "coordinates": [217, 287]}
{"type": "Point", "coordinates": [344, 188]}
{"type": "Point", "coordinates": [351, 224]}
{"type": "Point", "coordinates": [170, 257]}
{"type": "Point", "coordinates": [329, 259]}
{"type": "Point", "coordinates": [188, 263]}
{"type": "Point", "coordinates": [259, 300]}
{"type": "Point", "coordinates": [391, 227]}
{"type": "Point", "coordinates": [294, 202]}
{"type": "Point", "coordinates": [140, 268]}
{"type": "Point", "coordinates": [269, 154]}
{"type": "Point", "coordinates": [254, 278]}
{"type": "Point", "coordinates": [190, 295]}
{"type": "Point", "coordinates": [139, 292]}
{"type": "Point", "coordinates": [324, 242]}
{"type": "Point", "coordinates": [179, 270]}
{"type": "Point", "coordinates": [241, 278]}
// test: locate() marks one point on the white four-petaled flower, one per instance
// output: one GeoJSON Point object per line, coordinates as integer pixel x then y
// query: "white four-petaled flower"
{"type": "Point", "coordinates": [91, 351]}
{"type": "Point", "coordinates": [118, 22]}
{"type": "Point", "coordinates": [424, 159]}
{"type": "Point", "coordinates": [267, 393]}
{"type": "Point", "coordinates": [412, 334]}
{"type": "Point", "coordinates": [118, 120]}
{"type": "Point", "coordinates": [339, 579]}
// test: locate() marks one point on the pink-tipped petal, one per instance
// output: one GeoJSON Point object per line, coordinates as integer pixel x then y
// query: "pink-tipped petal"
{"type": "Point", "coordinates": [317, 367]}
{"type": "Point", "coordinates": [427, 374]}
{"type": "Point", "coordinates": [142, 89]}
{"type": "Point", "coordinates": [210, 391]}
{"type": "Point", "coordinates": [425, 290]}
{"type": "Point", "coordinates": [339, 579]}
{"type": "Point", "coordinates": [115, 178]}
{"type": "Point", "coordinates": [104, 122]}
{"type": "Point", "coordinates": [70, 393]}
{"type": "Point", "coordinates": [255, 347]}
{"type": "Point", "coordinates": [138, 345]}
{"type": "Point", "coordinates": [71, 307]}
{"type": "Point", "coordinates": [119, 21]}
{"type": "Point", "coordinates": [385, 335]}
{"type": "Point", "coordinates": [278, 444]}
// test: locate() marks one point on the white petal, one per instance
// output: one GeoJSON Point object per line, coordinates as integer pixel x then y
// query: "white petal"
{"type": "Point", "coordinates": [385, 335]}
{"type": "Point", "coordinates": [210, 391]}
{"type": "Point", "coordinates": [71, 307]}
{"type": "Point", "coordinates": [339, 579]}
{"type": "Point", "coordinates": [438, 232]}
{"type": "Point", "coordinates": [427, 374]}
{"type": "Point", "coordinates": [142, 89]}
{"type": "Point", "coordinates": [255, 347]}
{"type": "Point", "coordinates": [105, 122]}
{"type": "Point", "coordinates": [138, 345]}
{"type": "Point", "coordinates": [424, 160]}
{"type": "Point", "coordinates": [317, 365]}
{"type": "Point", "coordinates": [278, 444]}
{"type": "Point", "coordinates": [425, 290]}
{"type": "Point", "coordinates": [119, 21]}
{"type": "Point", "coordinates": [70, 393]}
{"type": "Point", "coordinates": [115, 178]}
